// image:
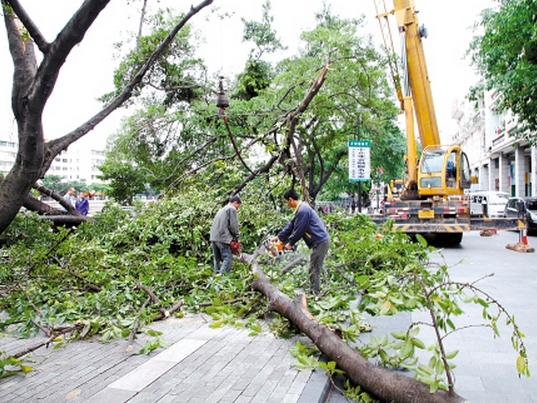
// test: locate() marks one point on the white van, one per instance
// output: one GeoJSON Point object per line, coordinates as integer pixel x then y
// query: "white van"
{"type": "Point", "coordinates": [492, 204]}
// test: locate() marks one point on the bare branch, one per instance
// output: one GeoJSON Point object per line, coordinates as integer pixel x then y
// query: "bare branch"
{"type": "Point", "coordinates": [28, 23]}
{"type": "Point", "coordinates": [53, 334]}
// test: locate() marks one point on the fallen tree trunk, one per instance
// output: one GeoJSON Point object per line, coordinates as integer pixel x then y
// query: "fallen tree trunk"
{"type": "Point", "coordinates": [389, 386]}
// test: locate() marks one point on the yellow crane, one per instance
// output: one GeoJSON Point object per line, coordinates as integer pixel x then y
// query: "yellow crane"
{"type": "Point", "coordinates": [442, 171]}
{"type": "Point", "coordinates": [432, 199]}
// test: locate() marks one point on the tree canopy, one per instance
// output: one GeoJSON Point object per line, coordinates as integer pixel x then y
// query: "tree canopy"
{"type": "Point", "coordinates": [293, 117]}
{"type": "Point", "coordinates": [505, 54]}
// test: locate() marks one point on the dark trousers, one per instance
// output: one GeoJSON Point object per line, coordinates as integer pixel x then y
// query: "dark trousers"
{"type": "Point", "coordinates": [318, 253]}
{"type": "Point", "coordinates": [222, 253]}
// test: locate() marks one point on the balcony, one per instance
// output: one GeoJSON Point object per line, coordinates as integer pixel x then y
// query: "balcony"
{"type": "Point", "coordinates": [478, 119]}
{"type": "Point", "coordinates": [457, 112]}
{"type": "Point", "coordinates": [499, 136]}
{"type": "Point", "coordinates": [499, 139]}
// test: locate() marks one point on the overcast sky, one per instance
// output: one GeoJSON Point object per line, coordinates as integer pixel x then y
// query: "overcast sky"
{"type": "Point", "coordinates": [88, 71]}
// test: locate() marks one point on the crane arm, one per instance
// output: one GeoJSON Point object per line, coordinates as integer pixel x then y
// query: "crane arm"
{"type": "Point", "coordinates": [418, 77]}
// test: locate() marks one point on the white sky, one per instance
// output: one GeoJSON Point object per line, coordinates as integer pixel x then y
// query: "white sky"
{"type": "Point", "coordinates": [88, 71]}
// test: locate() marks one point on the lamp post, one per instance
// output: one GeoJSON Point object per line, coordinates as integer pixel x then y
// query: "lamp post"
{"type": "Point", "coordinates": [222, 101]}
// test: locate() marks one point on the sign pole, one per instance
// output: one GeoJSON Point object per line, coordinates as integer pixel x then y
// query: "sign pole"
{"type": "Point", "coordinates": [359, 183]}
{"type": "Point", "coordinates": [359, 163]}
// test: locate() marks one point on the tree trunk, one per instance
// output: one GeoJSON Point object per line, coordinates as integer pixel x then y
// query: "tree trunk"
{"type": "Point", "coordinates": [386, 385]}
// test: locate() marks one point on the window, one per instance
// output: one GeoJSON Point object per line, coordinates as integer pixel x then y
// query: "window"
{"type": "Point", "coordinates": [433, 161]}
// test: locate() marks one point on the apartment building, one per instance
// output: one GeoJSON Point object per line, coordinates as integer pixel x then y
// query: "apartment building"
{"type": "Point", "coordinates": [78, 162]}
{"type": "Point", "coordinates": [8, 152]}
{"type": "Point", "coordinates": [499, 161]}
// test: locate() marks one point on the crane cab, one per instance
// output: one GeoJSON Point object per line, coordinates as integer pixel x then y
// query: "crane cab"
{"type": "Point", "coordinates": [443, 171]}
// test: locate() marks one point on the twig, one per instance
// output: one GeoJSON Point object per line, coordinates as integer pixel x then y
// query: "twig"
{"type": "Point", "coordinates": [230, 302]}
{"type": "Point", "coordinates": [149, 292]}
{"type": "Point", "coordinates": [301, 258]}
{"type": "Point", "coordinates": [43, 329]}
{"type": "Point", "coordinates": [153, 298]}
{"type": "Point", "coordinates": [53, 247]}
{"type": "Point", "coordinates": [135, 327]}
{"type": "Point", "coordinates": [91, 286]}
{"type": "Point", "coordinates": [54, 333]}
{"type": "Point", "coordinates": [174, 308]}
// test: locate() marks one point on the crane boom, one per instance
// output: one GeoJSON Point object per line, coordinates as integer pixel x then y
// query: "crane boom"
{"type": "Point", "coordinates": [411, 35]}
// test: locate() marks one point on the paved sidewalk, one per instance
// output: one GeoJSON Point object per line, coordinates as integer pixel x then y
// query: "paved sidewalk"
{"type": "Point", "coordinates": [201, 365]}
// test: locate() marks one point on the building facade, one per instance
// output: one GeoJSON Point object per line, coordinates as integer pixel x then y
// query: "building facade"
{"type": "Point", "coordinates": [499, 160]}
{"type": "Point", "coordinates": [76, 163]}
{"type": "Point", "coordinates": [8, 152]}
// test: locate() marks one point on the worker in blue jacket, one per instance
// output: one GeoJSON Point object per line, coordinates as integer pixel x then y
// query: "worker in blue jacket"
{"type": "Point", "coordinates": [306, 225]}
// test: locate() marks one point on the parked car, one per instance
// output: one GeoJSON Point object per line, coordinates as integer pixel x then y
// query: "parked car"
{"type": "Point", "coordinates": [523, 207]}
{"type": "Point", "coordinates": [489, 203]}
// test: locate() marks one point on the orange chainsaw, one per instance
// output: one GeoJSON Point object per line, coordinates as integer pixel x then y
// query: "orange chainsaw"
{"type": "Point", "coordinates": [275, 248]}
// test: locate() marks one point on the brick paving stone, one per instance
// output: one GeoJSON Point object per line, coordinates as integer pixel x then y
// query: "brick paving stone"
{"type": "Point", "coordinates": [290, 398]}
{"type": "Point", "coordinates": [230, 396]}
{"type": "Point", "coordinates": [229, 367]}
{"type": "Point", "coordinates": [299, 383]}
{"type": "Point", "coordinates": [168, 399]}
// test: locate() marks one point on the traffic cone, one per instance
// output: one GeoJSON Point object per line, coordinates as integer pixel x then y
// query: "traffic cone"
{"type": "Point", "coordinates": [522, 244]}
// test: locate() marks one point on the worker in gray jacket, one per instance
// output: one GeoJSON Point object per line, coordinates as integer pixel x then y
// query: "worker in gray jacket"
{"type": "Point", "coordinates": [225, 229]}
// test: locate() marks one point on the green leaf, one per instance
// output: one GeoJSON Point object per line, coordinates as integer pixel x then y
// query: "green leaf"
{"type": "Point", "coordinates": [399, 335]}
{"type": "Point", "coordinates": [452, 354]}
{"type": "Point", "coordinates": [363, 281]}
{"type": "Point", "coordinates": [26, 369]}
{"type": "Point", "coordinates": [521, 365]}
{"type": "Point", "coordinates": [421, 240]}
{"type": "Point", "coordinates": [482, 302]}
{"type": "Point", "coordinates": [418, 343]}
{"type": "Point", "coordinates": [384, 355]}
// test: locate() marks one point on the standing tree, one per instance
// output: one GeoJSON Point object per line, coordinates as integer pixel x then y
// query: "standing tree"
{"type": "Point", "coordinates": [33, 84]}
{"type": "Point", "coordinates": [297, 115]}
{"type": "Point", "coordinates": [506, 55]}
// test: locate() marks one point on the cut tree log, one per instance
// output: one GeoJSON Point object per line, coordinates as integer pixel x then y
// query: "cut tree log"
{"type": "Point", "coordinates": [386, 385]}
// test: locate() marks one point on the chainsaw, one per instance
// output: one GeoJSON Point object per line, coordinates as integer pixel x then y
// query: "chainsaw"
{"type": "Point", "coordinates": [275, 248]}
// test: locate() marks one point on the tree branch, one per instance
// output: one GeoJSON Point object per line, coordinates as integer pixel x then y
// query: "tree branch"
{"type": "Point", "coordinates": [387, 385]}
{"type": "Point", "coordinates": [53, 334]}
{"type": "Point", "coordinates": [292, 120]}
{"type": "Point", "coordinates": [54, 147]}
{"type": "Point", "coordinates": [28, 23]}
{"type": "Point", "coordinates": [235, 147]}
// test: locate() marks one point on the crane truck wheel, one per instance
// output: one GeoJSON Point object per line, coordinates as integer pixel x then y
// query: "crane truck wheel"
{"type": "Point", "coordinates": [452, 238]}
